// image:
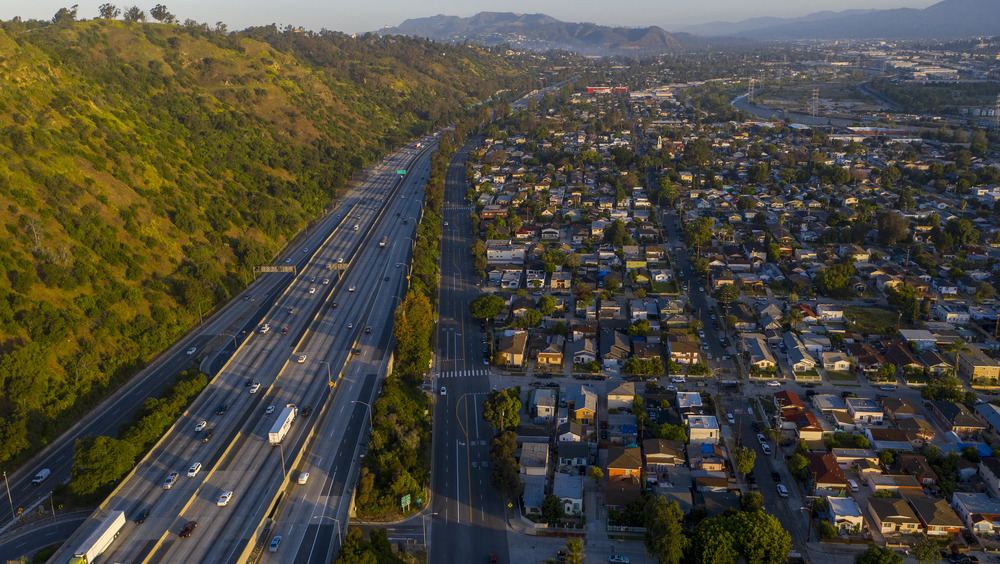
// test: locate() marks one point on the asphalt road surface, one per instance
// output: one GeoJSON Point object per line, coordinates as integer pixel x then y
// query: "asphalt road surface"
{"type": "Point", "coordinates": [326, 313]}
{"type": "Point", "coordinates": [466, 521]}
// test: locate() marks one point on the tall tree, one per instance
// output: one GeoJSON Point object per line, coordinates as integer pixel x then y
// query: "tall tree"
{"type": "Point", "coordinates": [878, 555]}
{"type": "Point", "coordinates": [160, 14]}
{"type": "Point", "coordinates": [962, 232]}
{"type": "Point", "coordinates": [501, 409]}
{"type": "Point", "coordinates": [745, 459]}
{"type": "Point", "coordinates": [892, 227]}
{"type": "Point", "coordinates": [505, 477]}
{"type": "Point", "coordinates": [926, 551]}
{"type": "Point", "coordinates": [617, 234]}
{"type": "Point", "coordinates": [65, 16]}
{"type": "Point", "coordinates": [134, 14]}
{"type": "Point", "coordinates": [697, 153]}
{"type": "Point", "coordinates": [699, 232]}
{"type": "Point", "coordinates": [552, 509]}
{"type": "Point", "coordinates": [574, 551]}
{"type": "Point", "coordinates": [727, 294]}
{"type": "Point", "coordinates": [100, 461]}
{"type": "Point", "coordinates": [413, 330]}
{"type": "Point", "coordinates": [665, 539]}
{"type": "Point", "coordinates": [956, 349]}
{"type": "Point", "coordinates": [487, 306]}
{"type": "Point", "coordinates": [108, 11]}
{"type": "Point", "coordinates": [503, 445]}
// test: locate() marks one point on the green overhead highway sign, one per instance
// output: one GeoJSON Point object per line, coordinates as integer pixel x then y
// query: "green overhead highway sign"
{"type": "Point", "coordinates": [274, 269]}
{"type": "Point", "coordinates": [401, 172]}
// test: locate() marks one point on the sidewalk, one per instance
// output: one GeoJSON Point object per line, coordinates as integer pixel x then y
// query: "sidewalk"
{"type": "Point", "coordinates": [525, 547]}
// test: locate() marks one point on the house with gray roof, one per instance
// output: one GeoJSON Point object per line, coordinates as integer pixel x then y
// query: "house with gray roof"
{"type": "Point", "coordinates": [581, 399]}
{"type": "Point", "coordinates": [614, 347]}
{"type": "Point", "coordinates": [542, 404]}
{"type": "Point", "coordinates": [568, 487]}
{"type": "Point", "coordinates": [584, 351]}
{"type": "Point", "coordinates": [990, 414]}
{"type": "Point", "coordinates": [799, 358]}
{"type": "Point", "coordinates": [573, 453]}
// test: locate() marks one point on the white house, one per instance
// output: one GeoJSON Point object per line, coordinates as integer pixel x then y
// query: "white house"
{"type": "Point", "coordinates": [864, 410]}
{"type": "Point", "coordinates": [829, 312]}
{"type": "Point", "coordinates": [836, 361]}
{"type": "Point", "coordinates": [845, 515]}
{"type": "Point", "coordinates": [703, 429]}
{"type": "Point", "coordinates": [952, 314]}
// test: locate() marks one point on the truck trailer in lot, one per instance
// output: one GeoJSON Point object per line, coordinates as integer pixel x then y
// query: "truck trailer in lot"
{"type": "Point", "coordinates": [282, 425]}
{"type": "Point", "coordinates": [101, 539]}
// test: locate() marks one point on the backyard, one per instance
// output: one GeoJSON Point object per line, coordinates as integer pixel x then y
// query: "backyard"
{"type": "Point", "coordinates": [872, 319]}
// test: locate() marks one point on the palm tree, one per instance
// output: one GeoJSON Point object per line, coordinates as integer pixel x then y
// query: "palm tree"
{"type": "Point", "coordinates": [793, 317]}
{"type": "Point", "coordinates": [957, 348]}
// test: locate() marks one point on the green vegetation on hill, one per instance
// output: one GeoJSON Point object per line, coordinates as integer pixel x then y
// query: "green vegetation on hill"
{"type": "Point", "coordinates": [145, 168]}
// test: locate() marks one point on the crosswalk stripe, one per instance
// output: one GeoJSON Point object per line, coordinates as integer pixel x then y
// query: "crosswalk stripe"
{"type": "Point", "coordinates": [463, 373]}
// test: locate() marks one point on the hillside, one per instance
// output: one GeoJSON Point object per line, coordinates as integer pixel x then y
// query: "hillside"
{"type": "Point", "coordinates": [948, 19]}
{"type": "Point", "coordinates": [144, 168]}
{"type": "Point", "coordinates": [539, 32]}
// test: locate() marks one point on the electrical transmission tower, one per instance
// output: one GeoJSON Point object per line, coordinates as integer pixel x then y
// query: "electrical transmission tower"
{"type": "Point", "coordinates": [814, 107]}
{"type": "Point", "coordinates": [750, 91]}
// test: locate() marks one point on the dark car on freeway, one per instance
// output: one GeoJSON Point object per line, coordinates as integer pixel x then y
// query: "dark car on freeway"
{"type": "Point", "coordinates": [187, 529]}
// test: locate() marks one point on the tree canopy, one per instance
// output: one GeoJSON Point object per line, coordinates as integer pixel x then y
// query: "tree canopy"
{"type": "Point", "coordinates": [878, 555]}
{"type": "Point", "coordinates": [501, 407]}
{"type": "Point", "coordinates": [487, 306]}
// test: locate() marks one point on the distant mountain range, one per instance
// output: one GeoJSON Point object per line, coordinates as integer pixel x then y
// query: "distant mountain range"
{"type": "Point", "coordinates": [539, 32]}
{"type": "Point", "coordinates": [949, 19]}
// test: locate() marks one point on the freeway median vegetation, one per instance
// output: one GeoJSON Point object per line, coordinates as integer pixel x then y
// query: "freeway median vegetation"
{"type": "Point", "coordinates": [101, 462]}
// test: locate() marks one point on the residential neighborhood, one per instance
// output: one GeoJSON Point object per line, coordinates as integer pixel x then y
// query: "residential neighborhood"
{"type": "Point", "coordinates": [820, 296]}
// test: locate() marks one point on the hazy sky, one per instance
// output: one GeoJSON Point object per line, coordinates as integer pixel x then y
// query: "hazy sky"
{"type": "Point", "coordinates": [369, 15]}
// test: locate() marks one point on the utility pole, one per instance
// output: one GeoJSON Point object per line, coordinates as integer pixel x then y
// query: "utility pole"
{"type": "Point", "coordinates": [9, 499]}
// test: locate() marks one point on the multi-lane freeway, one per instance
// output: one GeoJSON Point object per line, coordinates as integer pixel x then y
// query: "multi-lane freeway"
{"type": "Point", "coordinates": [327, 344]}
{"type": "Point", "coordinates": [466, 519]}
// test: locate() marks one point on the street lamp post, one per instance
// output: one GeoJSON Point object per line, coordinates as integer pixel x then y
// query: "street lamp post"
{"type": "Point", "coordinates": [200, 318]}
{"type": "Point", "coordinates": [329, 376]}
{"type": "Point", "coordinates": [423, 522]}
{"type": "Point", "coordinates": [340, 540]}
{"type": "Point", "coordinates": [9, 499]}
{"type": "Point", "coordinates": [234, 339]}
{"type": "Point", "coordinates": [370, 425]}
{"type": "Point", "coordinates": [281, 452]}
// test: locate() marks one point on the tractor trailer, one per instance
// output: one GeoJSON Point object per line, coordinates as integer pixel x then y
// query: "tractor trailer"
{"type": "Point", "coordinates": [101, 539]}
{"type": "Point", "coordinates": [282, 425]}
